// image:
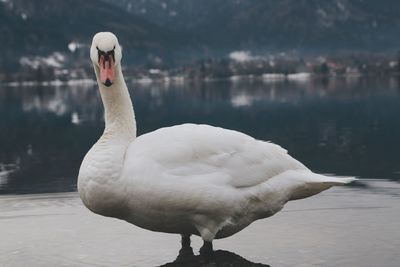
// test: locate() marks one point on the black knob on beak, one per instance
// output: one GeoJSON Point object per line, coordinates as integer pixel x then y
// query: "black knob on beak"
{"type": "Point", "coordinates": [108, 83]}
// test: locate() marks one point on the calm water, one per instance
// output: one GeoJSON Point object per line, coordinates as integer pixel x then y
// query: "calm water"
{"type": "Point", "coordinates": [339, 126]}
{"type": "Point", "coordinates": [341, 227]}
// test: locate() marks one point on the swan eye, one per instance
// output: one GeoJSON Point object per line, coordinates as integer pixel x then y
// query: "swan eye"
{"type": "Point", "coordinates": [99, 54]}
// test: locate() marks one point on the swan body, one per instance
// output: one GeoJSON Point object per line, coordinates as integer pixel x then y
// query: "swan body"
{"type": "Point", "coordinates": [186, 179]}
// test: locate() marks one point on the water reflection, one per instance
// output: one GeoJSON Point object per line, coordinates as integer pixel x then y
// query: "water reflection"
{"type": "Point", "coordinates": [5, 171]}
{"type": "Point", "coordinates": [220, 258]}
{"type": "Point", "coordinates": [342, 126]}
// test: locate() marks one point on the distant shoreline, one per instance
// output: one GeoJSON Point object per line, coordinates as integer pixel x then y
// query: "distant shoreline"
{"type": "Point", "coordinates": [174, 80]}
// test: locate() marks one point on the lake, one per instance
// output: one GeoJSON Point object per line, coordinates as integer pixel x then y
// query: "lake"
{"type": "Point", "coordinates": [337, 126]}
{"type": "Point", "coordinates": [343, 226]}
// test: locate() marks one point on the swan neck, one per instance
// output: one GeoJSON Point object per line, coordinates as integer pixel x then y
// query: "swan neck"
{"type": "Point", "coordinates": [118, 110]}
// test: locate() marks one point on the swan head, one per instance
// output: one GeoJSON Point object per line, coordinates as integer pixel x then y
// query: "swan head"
{"type": "Point", "coordinates": [106, 54]}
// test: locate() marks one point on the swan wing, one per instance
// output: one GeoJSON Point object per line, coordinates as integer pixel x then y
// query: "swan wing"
{"type": "Point", "coordinates": [207, 154]}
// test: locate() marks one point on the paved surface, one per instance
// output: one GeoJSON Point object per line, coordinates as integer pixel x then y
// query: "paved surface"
{"type": "Point", "coordinates": [346, 226]}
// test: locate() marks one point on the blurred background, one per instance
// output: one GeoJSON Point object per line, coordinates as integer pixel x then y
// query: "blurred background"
{"type": "Point", "coordinates": [320, 78]}
{"type": "Point", "coordinates": [44, 39]}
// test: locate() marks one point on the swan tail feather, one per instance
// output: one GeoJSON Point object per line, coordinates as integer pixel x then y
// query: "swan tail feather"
{"type": "Point", "coordinates": [312, 184]}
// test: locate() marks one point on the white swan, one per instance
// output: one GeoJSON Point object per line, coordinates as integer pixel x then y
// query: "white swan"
{"type": "Point", "coordinates": [186, 179]}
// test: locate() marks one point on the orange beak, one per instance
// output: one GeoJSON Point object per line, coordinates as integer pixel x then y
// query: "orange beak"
{"type": "Point", "coordinates": [107, 71]}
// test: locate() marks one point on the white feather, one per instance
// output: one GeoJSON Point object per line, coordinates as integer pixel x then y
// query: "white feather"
{"type": "Point", "coordinates": [187, 179]}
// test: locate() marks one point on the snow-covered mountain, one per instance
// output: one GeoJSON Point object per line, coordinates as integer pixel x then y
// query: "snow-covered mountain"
{"type": "Point", "coordinates": [57, 33]}
{"type": "Point", "coordinates": [283, 24]}
{"type": "Point", "coordinates": [39, 28]}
